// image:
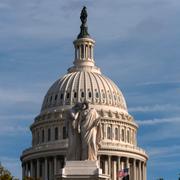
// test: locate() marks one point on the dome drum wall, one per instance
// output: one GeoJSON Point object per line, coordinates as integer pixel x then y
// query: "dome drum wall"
{"type": "Point", "coordinates": [116, 128]}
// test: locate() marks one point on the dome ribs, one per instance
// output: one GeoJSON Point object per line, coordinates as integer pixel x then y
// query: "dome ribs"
{"type": "Point", "coordinates": [73, 88]}
{"type": "Point", "coordinates": [91, 88]}
{"type": "Point", "coordinates": [66, 90]}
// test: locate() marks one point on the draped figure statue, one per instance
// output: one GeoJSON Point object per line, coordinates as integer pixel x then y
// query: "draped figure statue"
{"type": "Point", "coordinates": [90, 131]}
{"type": "Point", "coordinates": [84, 132]}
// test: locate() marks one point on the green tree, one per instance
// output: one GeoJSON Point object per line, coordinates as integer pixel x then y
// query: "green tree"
{"type": "Point", "coordinates": [6, 177]}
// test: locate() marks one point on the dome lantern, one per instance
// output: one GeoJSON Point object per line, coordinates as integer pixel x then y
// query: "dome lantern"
{"type": "Point", "coordinates": [84, 47]}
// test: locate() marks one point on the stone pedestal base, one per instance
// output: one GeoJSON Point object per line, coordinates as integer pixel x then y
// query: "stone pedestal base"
{"type": "Point", "coordinates": [81, 170]}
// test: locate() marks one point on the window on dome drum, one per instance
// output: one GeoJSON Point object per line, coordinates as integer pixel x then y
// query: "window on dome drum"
{"type": "Point", "coordinates": [49, 134]}
{"type": "Point", "coordinates": [108, 133]}
{"type": "Point", "coordinates": [64, 133]}
{"type": "Point", "coordinates": [50, 98]}
{"type": "Point", "coordinates": [38, 137]}
{"type": "Point", "coordinates": [82, 94]}
{"type": "Point", "coordinates": [77, 52]}
{"type": "Point", "coordinates": [116, 134]}
{"type": "Point", "coordinates": [82, 51]}
{"type": "Point", "coordinates": [90, 95]}
{"type": "Point", "coordinates": [90, 52]}
{"type": "Point", "coordinates": [61, 97]}
{"type": "Point", "coordinates": [67, 96]}
{"type": "Point", "coordinates": [86, 51]}
{"type": "Point", "coordinates": [56, 133]}
{"type": "Point", "coordinates": [42, 136]}
{"type": "Point", "coordinates": [75, 94]}
{"type": "Point", "coordinates": [56, 97]}
{"type": "Point", "coordinates": [128, 136]}
{"type": "Point", "coordinates": [122, 134]}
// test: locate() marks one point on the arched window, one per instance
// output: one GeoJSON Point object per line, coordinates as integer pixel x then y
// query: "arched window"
{"type": "Point", "coordinates": [75, 94]}
{"type": "Point", "coordinates": [90, 52]}
{"type": "Point", "coordinates": [56, 133]}
{"type": "Point", "coordinates": [49, 134]}
{"type": "Point", "coordinates": [67, 95]}
{"type": "Point", "coordinates": [82, 94]}
{"type": "Point", "coordinates": [42, 136]}
{"type": "Point", "coordinates": [64, 133]}
{"type": "Point", "coordinates": [55, 97]}
{"type": "Point", "coordinates": [77, 52]}
{"type": "Point", "coordinates": [86, 51]}
{"type": "Point", "coordinates": [108, 133]}
{"type": "Point", "coordinates": [61, 97]}
{"type": "Point", "coordinates": [122, 134]}
{"type": "Point", "coordinates": [116, 134]}
{"type": "Point", "coordinates": [82, 51]}
{"type": "Point", "coordinates": [38, 137]}
{"type": "Point", "coordinates": [90, 95]}
{"type": "Point", "coordinates": [128, 136]}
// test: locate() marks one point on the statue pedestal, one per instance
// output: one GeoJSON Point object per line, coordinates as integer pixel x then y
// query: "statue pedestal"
{"type": "Point", "coordinates": [81, 170]}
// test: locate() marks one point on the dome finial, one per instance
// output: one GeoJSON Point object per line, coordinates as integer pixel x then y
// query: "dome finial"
{"type": "Point", "coordinates": [84, 29]}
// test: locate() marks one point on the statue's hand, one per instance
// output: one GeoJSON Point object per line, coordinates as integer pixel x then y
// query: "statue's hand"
{"type": "Point", "coordinates": [79, 130]}
{"type": "Point", "coordinates": [73, 125]}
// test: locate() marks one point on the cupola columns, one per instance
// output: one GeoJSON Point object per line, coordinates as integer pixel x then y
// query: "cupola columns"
{"type": "Point", "coordinates": [84, 45]}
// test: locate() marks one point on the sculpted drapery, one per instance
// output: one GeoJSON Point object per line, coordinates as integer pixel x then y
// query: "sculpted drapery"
{"type": "Point", "coordinates": [84, 133]}
{"type": "Point", "coordinates": [74, 149]}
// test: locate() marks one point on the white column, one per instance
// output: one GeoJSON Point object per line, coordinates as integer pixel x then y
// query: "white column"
{"type": "Point", "coordinates": [50, 170]}
{"type": "Point", "coordinates": [139, 168]}
{"type": "Point", "coordinates": [134, 169]}
{"type": "Point", "coordinates": [37, 169]}
{"type": "Point", "coordinates": [31, 168]}
{"type": "Point", "coordinates": [109, 165]}
{"type": "Point", "coordinates": [106, 166]}
{"type": "Point", "coordinates": [127, 162]}
{"type": "Point", "coordinates": [114, 170]}
{"type": "Point", "coordinates": [55, 165]}
{"type": "Point", "coordinates": [26, 169]}
{"type": "Point", "coordinates": [46, 169]}
{"type": "Point", "coordinates": [119, 163]}
{"type": "Point", "coordinates": [145, 171]}
{"type": "Point", "coordinates": [23, 170]}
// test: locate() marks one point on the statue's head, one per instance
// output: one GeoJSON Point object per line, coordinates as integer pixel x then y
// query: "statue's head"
{"type": "Point", "coordinates": [85, 105]}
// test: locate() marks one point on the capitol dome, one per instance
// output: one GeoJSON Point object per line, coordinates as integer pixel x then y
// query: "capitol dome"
{"type": "Point", "coordinates": [84, 82]}
{"type": "Point", "coordinates": [83, 86]}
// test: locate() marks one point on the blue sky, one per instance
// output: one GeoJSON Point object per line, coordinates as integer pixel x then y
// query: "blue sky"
{"type": "Point", "coordinates": [137, 46]}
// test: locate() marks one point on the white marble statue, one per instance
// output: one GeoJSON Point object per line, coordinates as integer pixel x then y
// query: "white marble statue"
{"type": "Point", "coordinates": [89, 128]}
{"type": "Point", "coordinates": [84, 132]}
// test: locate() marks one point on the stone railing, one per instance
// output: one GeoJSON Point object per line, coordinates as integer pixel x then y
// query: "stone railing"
{"type": "Point", "coordinates": [122, 147]}
{"type": "Point", "coordinates": [47, 146]}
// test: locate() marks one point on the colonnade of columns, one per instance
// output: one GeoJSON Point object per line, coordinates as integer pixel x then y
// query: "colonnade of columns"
{"type": "Point", "coordinates": [47, 167]}
{"type": "Point", "coordinates": [111, 165]}
{"type": "Point", "coordinates": [44, 168]}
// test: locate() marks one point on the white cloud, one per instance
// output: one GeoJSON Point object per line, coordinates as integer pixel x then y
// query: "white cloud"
{"type": "Point", "coordinates": [15, 95]}
{"type": "Point", "coordinates": [13, 130]}
{"type": "Point", "coordinates": [163, 151]}
{"type": "Point", "coordinates": [155, 108]}
{"type": "Point", "coordinates": [158, 121]}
